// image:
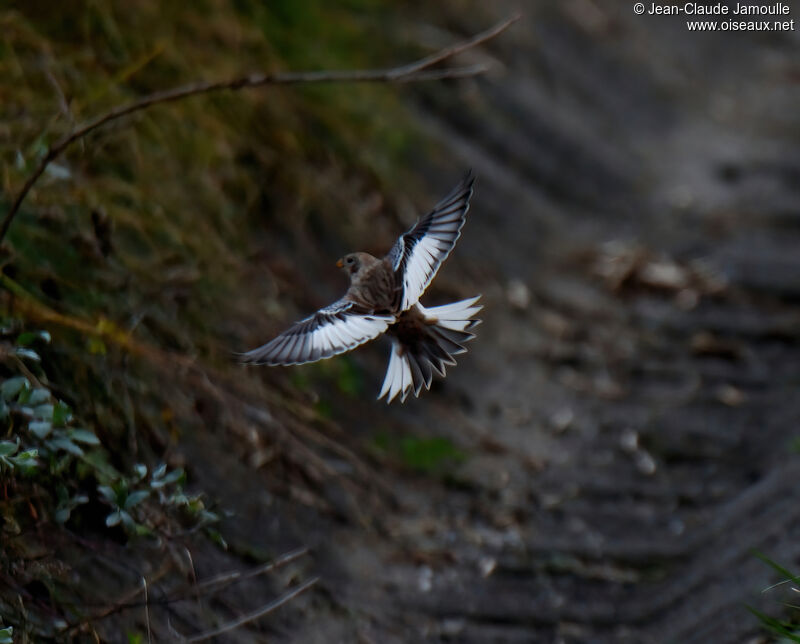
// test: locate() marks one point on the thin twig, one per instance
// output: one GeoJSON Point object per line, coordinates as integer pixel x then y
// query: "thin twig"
{"type": "Point", "coordinates": [147, 611]}
{"type": "Point", "coordinates": [250, 617]}
{"type": "Point", "coordinates": [454, 50]}
{"type": "Point", "coordinates": [412, 72]}
{"type": "Point", "coordinates": [26, 372]}
{"type": "Point", "coordinates": [62, 99]}
{"type": "Point", "coordinates": [226, 579]}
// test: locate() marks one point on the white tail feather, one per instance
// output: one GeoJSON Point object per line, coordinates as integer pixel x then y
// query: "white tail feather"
{"type": "Point", "coordinates": [454, 321]}
{"type": "Point", "coordinates": [455, 310]}
{"type": "Point", "coordinates": [390, 384]}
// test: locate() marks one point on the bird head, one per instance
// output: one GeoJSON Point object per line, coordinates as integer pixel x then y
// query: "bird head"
{"type": "Point", "coordinates": [350, 263]}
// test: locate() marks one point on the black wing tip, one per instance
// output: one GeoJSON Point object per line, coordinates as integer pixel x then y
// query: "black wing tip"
{"type": "Point", "coordinates": [242, 358]}
{"type": "Point", "coordinates": [463, 191]}
{"type": "Point", "coordinates": [466, 187]}
{"type": "Point", "coordinates": [247, 360]}
{"type": "Point", "coordinates": [469, 179]}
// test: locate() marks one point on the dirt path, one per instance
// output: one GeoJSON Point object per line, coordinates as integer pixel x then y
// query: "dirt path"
{"type": "Point", "coordinates": [629, 428]}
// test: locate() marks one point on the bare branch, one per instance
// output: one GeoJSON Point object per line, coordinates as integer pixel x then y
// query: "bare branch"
{"type": "Point", "coordinates": [441, 74]}
{"type": "Point", "coordinates": [250, 617]}
{"type": "Point", "coordinates": [226, 579]}
{"type": "Point", "coordinates": [413, 72]}
{"type": "Point", "coordinates": [454, 50]}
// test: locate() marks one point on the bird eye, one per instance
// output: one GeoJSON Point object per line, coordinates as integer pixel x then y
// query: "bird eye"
{"type": "Point", "coordinates": [349, 260]}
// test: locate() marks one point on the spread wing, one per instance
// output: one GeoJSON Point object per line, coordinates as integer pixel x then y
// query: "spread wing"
{"type": "Point", "coordinates": [335, 329]}
{"type": "Point", "coordinates": [418, 253]}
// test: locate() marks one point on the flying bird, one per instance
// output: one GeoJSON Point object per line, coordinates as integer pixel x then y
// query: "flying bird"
{"type": "Point", "coordinates": [383, 297]}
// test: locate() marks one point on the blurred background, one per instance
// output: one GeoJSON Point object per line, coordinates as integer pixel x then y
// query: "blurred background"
{"type": "Point", "coordinates": [604, 465]}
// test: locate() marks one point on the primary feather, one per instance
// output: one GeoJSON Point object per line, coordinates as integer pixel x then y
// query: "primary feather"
{"type": "Point", "coordinates": [335, 329]}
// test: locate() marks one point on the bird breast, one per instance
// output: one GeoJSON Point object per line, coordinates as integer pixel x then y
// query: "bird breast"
{"type": "Point", "coordinates": [375, 287]}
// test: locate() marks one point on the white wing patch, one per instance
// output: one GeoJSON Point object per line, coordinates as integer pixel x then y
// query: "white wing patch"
{"type": "Point", "coordinates": [423, 263]}
{"type": "Point", "coordinates": [419, 253]}
{"type": "Point", "coordinates": [329, 332]}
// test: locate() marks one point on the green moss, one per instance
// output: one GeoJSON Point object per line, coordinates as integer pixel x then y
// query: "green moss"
{"type": "Point", "coordinates": [425, 454]}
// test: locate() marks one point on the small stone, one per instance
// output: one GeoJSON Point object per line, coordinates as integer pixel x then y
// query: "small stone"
{"type": "Point", "coordinates": [676, 526]}
{"type": "Point", "coordinates": [518, 294]}
{"type": "Point", "coordinates": [425, 580]}
{"type": "Point", "coordinates": [664, 274]}
{"type": "Point", "coordinates": [645, 463]}
{"type": "Point", "coordinates": [687, 299]}
{"type": "Point", "coordinates": [562, 419]}
{"type": "Point", "coordinates": [452, 626]}
{"type": "Point", "coordinates": [629, 441]}
{"type": "Point", "coordinates": [486, 565]}
{"type": "Point", "coordinates": [730, 395]}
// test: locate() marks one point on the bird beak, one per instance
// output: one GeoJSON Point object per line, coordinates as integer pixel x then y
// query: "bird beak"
{"type": "Point", "coordinates": [339, 263]}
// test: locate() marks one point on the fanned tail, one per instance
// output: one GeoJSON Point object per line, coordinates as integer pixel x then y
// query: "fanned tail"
{"type": "Point", "coordinates": [413, 363]}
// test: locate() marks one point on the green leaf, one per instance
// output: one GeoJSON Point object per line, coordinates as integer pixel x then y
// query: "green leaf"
{"type": "Point", "coordinates": [776, 567]}
{"type": "Point", "coordinates": [41, 428]}
{"type": "Point", "coordinates": [24, 339]}
{"type": "Point", "coordinates": [29, 337]}
{"type": "Point", "coordinates": [217, 538]}
{"type": "Point", "coordinates": [96, 346]}
{"type": "Point", "coordinates": [208, 517]}
{"type": "Point", "coordinates": [24, 461]}
{"type": "Point", "coordinates": [160, 471]}
{"type": "Point", "coordinates": [173, 477]}
{"type": "Point", "coordinates": [83, 436]}
{"type": "Point", "coordinates": [195, 505]}
{"type": "Point", "coordinates": [30, 354]}
{"type": "Point", "coordinates": [141, 530]}
{"type": "Point", "coordinates": [66, 507]}
{"type": "Point", "coordinates": [6, 635]}
{"type": "Point", "coordinates": [62, 515]}
{"type": "Point", "coordinates": [113, 519]}
{"type": "Point", "coordinates": [62, 414]}
{"type": "Point", "coordinates": [43, 412]}
{"type": "Point", "coordinates": [97, 460]}
{"type": "Point", "coordinates": [775, 625]}
{"type": "Point", "coordinates": [141, 470]}
{"type": "Point", "coordinates": [134, 498]}
{"type": "Point", "coordinates": [7, 448]}
{"type": "Point", "coordinates": [11, 387]}
{"type": "Point", "coordinates": [107, 493]}
{"type": "Point", "coordinates": [38, 396]}
{"type": "Point", "coordinates": [66, 445]}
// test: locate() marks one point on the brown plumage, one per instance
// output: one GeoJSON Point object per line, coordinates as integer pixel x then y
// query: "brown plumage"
{"type": "Point", "coordinates": [383, 297]}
